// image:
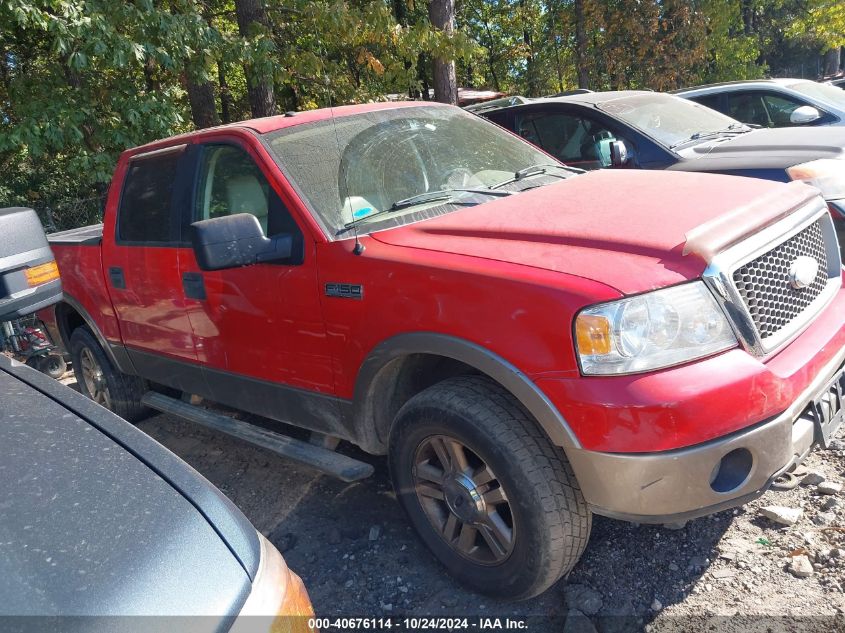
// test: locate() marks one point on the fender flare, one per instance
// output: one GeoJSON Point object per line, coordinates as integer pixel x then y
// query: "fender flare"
{"type": "Point", "coordinates": [502, 371]}
{"type": "Point", "coordinates": [115, 352]}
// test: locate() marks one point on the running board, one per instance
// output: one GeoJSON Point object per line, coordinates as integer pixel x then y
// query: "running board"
{"type": "Point", "coordinates": [326, 461]}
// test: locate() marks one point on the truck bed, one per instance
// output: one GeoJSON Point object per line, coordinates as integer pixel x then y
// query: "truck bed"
{"type": "Point", "coordinates": [84, 235]}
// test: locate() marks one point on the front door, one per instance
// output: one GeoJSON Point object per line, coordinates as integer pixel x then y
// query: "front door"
{"type": "Point", "coordinates": [258, 330]}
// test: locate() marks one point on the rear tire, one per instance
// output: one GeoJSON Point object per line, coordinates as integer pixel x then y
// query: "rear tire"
{"type": "Point", "coordinates": [53, 365]}
{"type": "Point", "coordinates": [486, 490]}
{"type": "Point", "coordinates": [100, 381]}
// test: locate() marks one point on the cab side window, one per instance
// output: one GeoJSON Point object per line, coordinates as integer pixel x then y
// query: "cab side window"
{"type": "Point", "coordinates": [749, 107]}
{"type": "Point", "coordinates": [575, 140]}
{"type": "Point", "coordinates": [710, 101]}
{"type": "Point", "coordinates": [781, 108]}
{"type": "Point", "coordinates": [230, 182]}
{"type": "Point", "coordinates": [763, 108]}
{"type": "Point", "coordinates": [145, 215]}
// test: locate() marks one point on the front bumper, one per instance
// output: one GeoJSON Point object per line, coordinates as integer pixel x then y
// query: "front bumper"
{"type": "Point", "coordinates": [682, 484]}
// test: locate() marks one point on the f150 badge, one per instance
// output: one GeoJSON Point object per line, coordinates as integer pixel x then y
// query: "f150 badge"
{"type": "Point", "coordinates": [803, 271]}
{"type": "Point", "coordinates": [345, 291]}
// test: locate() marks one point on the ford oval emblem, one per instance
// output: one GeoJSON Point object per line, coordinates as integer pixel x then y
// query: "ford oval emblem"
{"type": "Point", "coordinates": [803, 271]}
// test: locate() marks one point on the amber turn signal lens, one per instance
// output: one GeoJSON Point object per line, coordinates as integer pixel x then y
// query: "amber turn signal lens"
{"type": "Point", "coordinates": [592, 334]}
{"type": "Point", "coordinates": [41, 274]}
{"type": "Point", "coordinates": [296, 613]}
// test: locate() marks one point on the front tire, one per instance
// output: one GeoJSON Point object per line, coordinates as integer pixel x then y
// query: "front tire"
{"type": "Point", "coordinates": [487, 492]}
{"type": "Point", "coordinates": [99, 380]}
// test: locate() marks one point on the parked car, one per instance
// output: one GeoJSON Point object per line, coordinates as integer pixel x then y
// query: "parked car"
{"type": "Point", "coordinates": [29, 280]}
{"type": "Point", "coordinates": [648, 130]}
{"type": "Point", "coordinates": [837, 83]}
{"type": "Point", "coordinates": [527, 344]}
{"type": "Point", "coordinates": [99, 519]}
{"type": "Point", "coordinates": [773, 102]}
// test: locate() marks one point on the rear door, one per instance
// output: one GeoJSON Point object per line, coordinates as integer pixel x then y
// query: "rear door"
{"type": "Point", "coordinates": [141, 257]}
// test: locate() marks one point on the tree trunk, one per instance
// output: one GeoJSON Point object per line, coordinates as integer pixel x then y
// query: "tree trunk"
{"type": "Point", "coordinates": [400, 12]}
{"type": "Point", "coordinates": [581, 46]}
{"type": "Point", "coordinates": [831, 61]}
{"type": "Point", "coordinates": [747, 9]}
{"type": "Point", "coordinates": [532, 80]}
{"type": "Point", "coordinates": [551, 9]}
{"type": "Point", "coordinates": [491, 59]}
{"type": "Point", "coordinates": [225, 95]}
{"type": "Point", "coordinates": [203, 103]}
{"type": "Point", "coordinates": [442, 16]}
{"type": "Point", "coordinates": [262, 99]}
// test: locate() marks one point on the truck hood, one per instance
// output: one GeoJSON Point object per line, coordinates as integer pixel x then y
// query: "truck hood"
{"type": "Point", "coordinates": [772, 149]}
{"type": "Point", "coordinates": [631, 230]}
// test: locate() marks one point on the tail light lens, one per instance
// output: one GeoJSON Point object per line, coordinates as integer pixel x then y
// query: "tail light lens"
{"type": "Point", "coordinates": [41, 274]}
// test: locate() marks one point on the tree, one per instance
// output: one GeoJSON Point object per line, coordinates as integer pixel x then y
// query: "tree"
{"type": "Point", "coordinates": [442, 16]}
{"type": "Point", "coordinates": [254, 27]}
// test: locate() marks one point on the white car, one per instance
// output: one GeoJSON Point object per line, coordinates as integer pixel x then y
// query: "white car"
{"type": "Point", "coordinates": [773, 102]}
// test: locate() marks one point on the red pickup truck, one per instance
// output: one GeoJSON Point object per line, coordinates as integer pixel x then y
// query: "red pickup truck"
{"type": "Point", "coordinates": [528, 344]}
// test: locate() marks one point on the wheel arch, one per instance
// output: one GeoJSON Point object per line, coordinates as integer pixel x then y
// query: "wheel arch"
{"type": "Point", "coordinates": [401, 366]}
{"type": "Point", "coordinates": [70, 314]}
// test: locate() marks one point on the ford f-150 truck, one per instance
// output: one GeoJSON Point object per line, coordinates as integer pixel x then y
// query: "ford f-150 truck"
{"type": "Point", "coordinates": [528, 344]}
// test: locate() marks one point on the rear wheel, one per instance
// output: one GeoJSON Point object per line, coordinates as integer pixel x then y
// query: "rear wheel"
{"type": "Point", "coordinates": [488, 493]}
{"type": "Point", "coordinates": [53, 365]}
{"type": "Point", "coordinates": [101, 381]}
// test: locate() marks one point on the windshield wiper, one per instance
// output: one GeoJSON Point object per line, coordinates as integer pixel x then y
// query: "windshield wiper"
{"type": "Point", "coordinates": [733, 128]}
{"type": "Point", "coordinates": [443, 194]}
{"type": "Point", "coordinates": [536, 170]}
{"type": "Point", "coordinates": [430, 196]}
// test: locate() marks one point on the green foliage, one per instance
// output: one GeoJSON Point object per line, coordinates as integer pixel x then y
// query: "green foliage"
{"type": "Point", "coordinates": [82, 80]}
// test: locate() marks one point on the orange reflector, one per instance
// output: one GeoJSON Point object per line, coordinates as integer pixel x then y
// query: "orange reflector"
{"type": "Point", "coordinates": [41, 274]}
{"type": "Point", "coordinates": [592, 334]}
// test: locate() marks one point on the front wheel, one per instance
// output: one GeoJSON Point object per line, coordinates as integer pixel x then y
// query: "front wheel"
{"type": "Point", "coordinates": [487, 492]}
{"type": "Point", "coordinates": [103, 382]}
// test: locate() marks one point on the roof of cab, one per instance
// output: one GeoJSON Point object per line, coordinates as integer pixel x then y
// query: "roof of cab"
{"type": "Point", "coordinates": [277, 122]}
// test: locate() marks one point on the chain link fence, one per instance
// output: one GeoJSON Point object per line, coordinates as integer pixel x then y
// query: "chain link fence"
{"type": "Point", "coordinates": [70, 214]}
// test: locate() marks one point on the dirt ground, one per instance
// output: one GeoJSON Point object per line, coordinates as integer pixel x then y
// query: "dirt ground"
{"type": "Point", "coordinates": [358, 556]}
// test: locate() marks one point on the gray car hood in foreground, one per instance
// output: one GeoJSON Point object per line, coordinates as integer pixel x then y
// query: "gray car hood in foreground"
{"type": "Point", "coordinates": [765, 149]}
{"type": "Point", "coordinates": [98, 519]}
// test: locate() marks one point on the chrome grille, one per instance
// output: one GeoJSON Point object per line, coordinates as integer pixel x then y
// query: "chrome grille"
{"type": "Point", "coordinates": [764, 283]}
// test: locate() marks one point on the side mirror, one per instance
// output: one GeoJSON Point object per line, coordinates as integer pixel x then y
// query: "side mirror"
{"type": "Point", "coordinates": [236, 240]}
{"type": "Point", "coordinates": [618, 153]}
{"type": "Point", "coordinates": [804, 115]}
{"type": "Point", "coordinates": [29, 277]}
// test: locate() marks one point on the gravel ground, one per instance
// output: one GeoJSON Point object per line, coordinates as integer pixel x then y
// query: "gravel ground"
{"type": "Point", "coordinates": [358, 556]}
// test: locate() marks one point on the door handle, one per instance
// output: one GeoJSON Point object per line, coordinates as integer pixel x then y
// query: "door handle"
{"type": "Point", "coordinates": [194, 286]}
{"type": "Point", "coordinates": [117, 279]}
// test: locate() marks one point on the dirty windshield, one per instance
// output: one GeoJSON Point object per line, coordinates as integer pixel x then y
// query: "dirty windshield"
{"type": "Point", "coordinates": [389, 167]}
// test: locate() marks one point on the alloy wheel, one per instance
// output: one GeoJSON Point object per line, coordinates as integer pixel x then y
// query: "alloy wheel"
{"type": "Point", "coordinates": [464, 500]}
{"type": "Point", "coordinates": [94, 379]}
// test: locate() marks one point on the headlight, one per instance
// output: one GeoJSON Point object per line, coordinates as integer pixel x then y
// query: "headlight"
{"type": "Point", "coordinates": [657, 329]}
{"type": "Point", "coordinates": [827, 174]}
